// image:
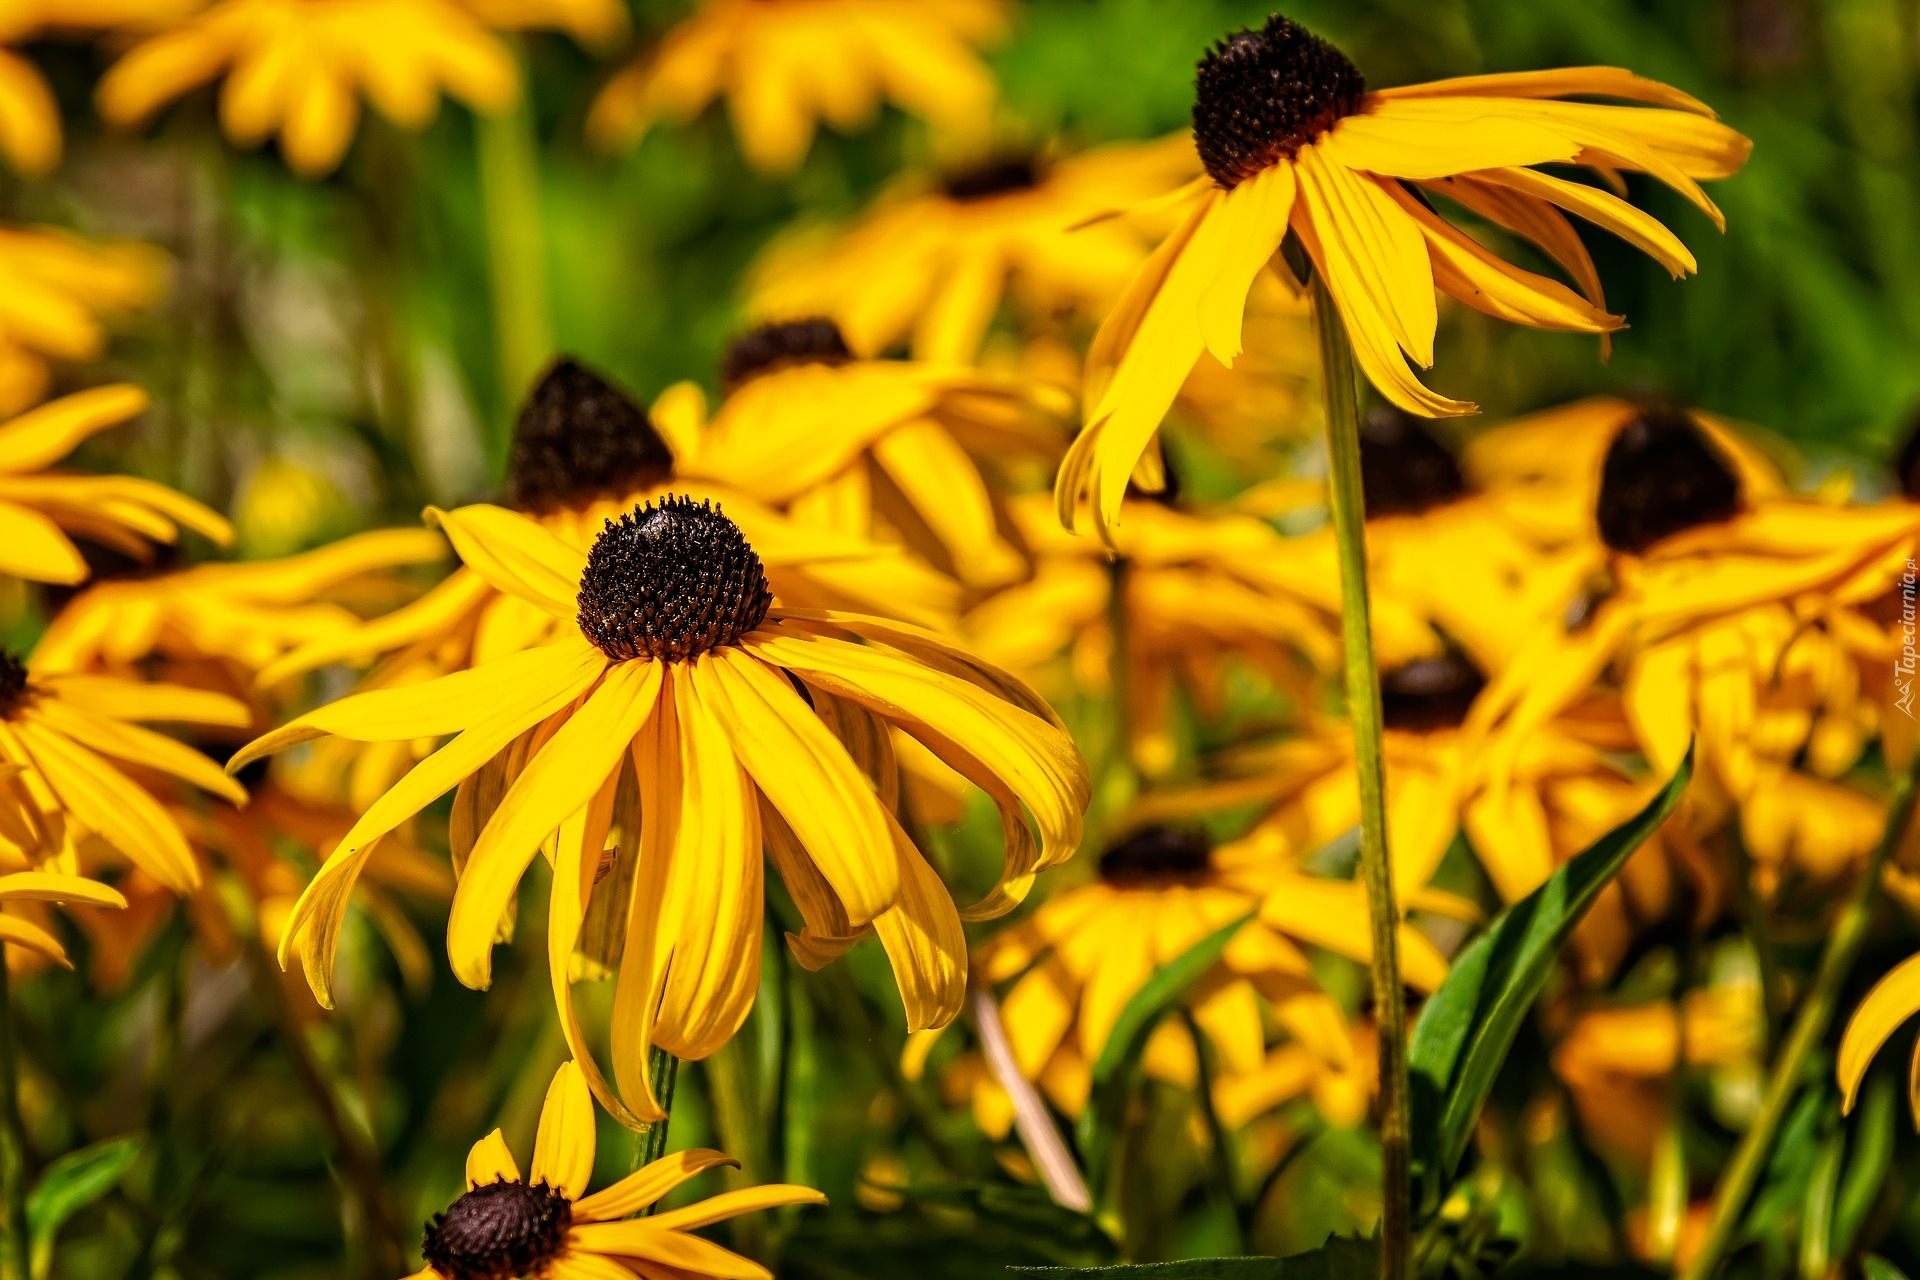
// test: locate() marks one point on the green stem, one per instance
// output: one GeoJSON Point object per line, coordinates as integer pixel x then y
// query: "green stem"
{"type": "Point", "coordinates": [1763, 950]}
{"type": "Point", "coordinates": [663, 1073]}
{"type": "Point", "coordinates": [1363, 711]}
{"type": "Point", "coordinates": [1809, 1025]}
{"type": "Point", "coordinates": [516, 248]}
{"type": "Point", "coordinates": [14, 1264]}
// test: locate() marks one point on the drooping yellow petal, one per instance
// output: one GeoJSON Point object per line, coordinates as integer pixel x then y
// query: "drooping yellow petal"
{"type": "Point", "coordinates": [53, 886]}
{"type": "Point", "coordinates": [40, 437]}
{"type": "Point", "coordinates": [1253, 221]}
{"type": "Point", "coordinates": [731, 1204]}
{"type": "Point", "coordinates": [516, 555]}
{"type": "Point", "coordinates": [434, 613]}
{"type": "Point", "coordinates": [33, 547]}
{"type": "Point", "coordinates": [107, 802]}
{"type": "Point", "coordinates": [1893, 1000]}
{"type": "Point", "coordinates": [561, 777]}
{"type": "Point", "coordinates": [924, 940]}
{"type": "Point", "coordinates": [1384, 142]}
{"type": "Point", "coordinates": [132, 700]}
{"type": "Point", "coordinates": [136, 746]}
{"type": "Point", "coordinates": [639, 1238]}
{"type": "Point", "coordinates": [1604, 209]}
{"type": "Point", "coordinates": [941, 482]}
{"type": "Point", "coordinates": [563, 1147]}
{"type": "Point", "coordinates": [25, 933]}
{"type": "Point", "coordinates": [644, 1186]}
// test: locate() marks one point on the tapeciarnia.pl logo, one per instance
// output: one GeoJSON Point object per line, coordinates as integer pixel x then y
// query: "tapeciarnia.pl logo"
{"type": "Point", "coordinates": [1903, 667]}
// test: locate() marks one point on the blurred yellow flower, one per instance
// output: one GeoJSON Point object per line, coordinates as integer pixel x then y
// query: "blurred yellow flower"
{"type": "Point", "coordinates": [295, 68]}
{"type": "Point", "coordinates": [673, 662]}
{"type": "Point", "coordinates": [1330, 161]}
{"type": "Point", "coordinates": [39, 508]}
{"type": "Point", "coordinates": [786, 64]}
{"type": "Point", "coordinates": [54, 287]}
{"type": "Point", "coordinates": [832, 438]}
{"type": "Point", "coordinates": [933, 260]}
{"type": "Point", "coordinates": [591, 22]}
{"type": "Point", "coordinates": [545, 1224]}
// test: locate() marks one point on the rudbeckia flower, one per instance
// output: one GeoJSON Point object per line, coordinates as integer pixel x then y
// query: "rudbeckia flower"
{"type": "Point", "coordinates": [1198, 591]}
{"type": "Point", "coordinates": [31, 889]}
{"type": "Point", "coordinates": [1292, 140]}
{"type": "Point", "coordinates": [1750, 622]}
{"type": "Point", "coordinates": [786, 64]}
{"type": "Point", "coordinates": [545, 1223]}
{"type": "Point", "coordinates": [835, 439]}
{"type": "Point", "coordinates": [584, 453]}
{"type": "Point", "coordinates": [1077, 960]}
{"type": "Point", "coordinates": [296, 68]}
{"type": "Point", "coordinates": [932, 260]}
{"type": "Point", "coordinates": [740, 723]}
{"type": "Point", "coordinates": [60, 737]}
{"type": "Point", "coordinates": [39, 508]}
{"type": "Point", "coordinates": [54, 288]}
{"type": "Point", "coordinates": [239, 616]}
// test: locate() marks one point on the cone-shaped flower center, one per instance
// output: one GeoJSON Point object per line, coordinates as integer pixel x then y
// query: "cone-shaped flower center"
{"type": "Point", "coordinates": [773, 347]}
{"type": "Point", "coordinates": [580, 438]}
{"type": "Point", "coordinates": [988, 180]}
{"type": "Point", "coordinates": [498, 1232]}
{"type": "Point", "coordinates": [1262, 95]}
{"type": "Point", "coordinates": [1403, 469]}
{"type": "Point", "coordinates": [671, 581]}
{"type": "Point", "coordinates": [1662, 475]}
{"type": "Point", "coordinates": [1156, 855]}
{"type": "Point", "coordinates": [1430, 693]}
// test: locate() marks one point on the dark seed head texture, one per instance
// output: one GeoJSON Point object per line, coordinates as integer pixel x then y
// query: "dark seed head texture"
{"type": "Point", "coordinates": [1404, 469]}
{"type": "Point", "coordinates": [499, 1232]}
{"type": "Point", "coordinates": [1262, 95]}
{"type": "Point", "coordinates": [579, 438]}
{"type": "Point", "coordinates": [1662, 475]}
{"type": "Point", "coordinates": [13, 682]}
{"type": "Point", "coordinates": [1156, 854]}
{"type": "Point", "coordinates": [998, 178]}
{"type": "Point", "coordinates": [670, 581]}
{"type": "Point", "coordinates": [1430, 693]}
{"type": "Point", "coordinates": [773, 347]}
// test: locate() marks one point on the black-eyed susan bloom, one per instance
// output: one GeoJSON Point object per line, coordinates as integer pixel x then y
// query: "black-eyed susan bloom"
{"type": "Point", "coordinates": [743, 725]}
{"type": "Point", "coordinates": [297, 68]}
{"type": "Point", "coordinates": [784, 65]}
{"type": "Point", "coordinates": [1292, 140]}
{"type": "Point", "coordinates": [545, 1224]}
{"type": "Point", "coordinates": [809, 427]}
{"type": "Point", "coordinates": [933, 260]}
{"type": "Point", "coordinates": [39, 508]}
{"type": "Point", "coordinates": [584, 453]}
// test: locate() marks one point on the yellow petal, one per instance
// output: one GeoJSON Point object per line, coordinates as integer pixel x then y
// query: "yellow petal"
{"type": "Point", "coordinates": [641, 1188]}
{"type": "Point", "coordinates": [563, 1148]}
{"type": "Point", "coordinates": [24, 933]}
{"type": "Point", "coordinates": [516, 555]}
{"type": "Point", "coordinates": [1557, 82]}
{"type": "Point", "coordinates": [131, 700]}
{"type": "Point", "coordinates": [924, 941]}
{"type": "Point", "coordinates": [33, 547]}
{"type": "Point", "coordinates": [1253, 221]}
{"type": "Point", "coordinates": [1383, 141]}
{"type": "Point", "coordinates": [110, 804]}
{"type": "Point", "coordinates": [136, 746]}
{"type": "Point", "coordinates": [639, 1238]}
{"type": "Point", "coordinates": [43, 436]}
{"type": "Point", "coordinates": [51, 886]}
{"type": "Point", "coordinates": [489, 1162]}
{"type": "Point", "coordinates": [1893, 1000]}
{"type": "Point", "coordinates": [732, 1204]}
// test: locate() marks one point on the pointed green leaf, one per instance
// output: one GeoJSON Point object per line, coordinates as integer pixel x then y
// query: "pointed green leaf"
{"type": "Point", "coordinates": [1168, 983]}
{"type": "Point", "coordinates": [69, 1185]}
{"type": "Point", "coordinates": [1466, 1028]}
{"type": "Point", "coordinates": [1340, 1258]}
{"type": "Point", "coordinates": [1875, 1267]}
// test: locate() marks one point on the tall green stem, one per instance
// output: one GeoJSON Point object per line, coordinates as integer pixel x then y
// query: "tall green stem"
{"type": "Point", "coordinates": [1363, 711]}
{"type": "Point", "coordinates": [1809, 1025]}
{"type": "Point", "coordinates": [13, 1148]}
{"type": "Point", "coordinates": [663, 1073]}
{"type": "Point", "coordinates": [516, 248]}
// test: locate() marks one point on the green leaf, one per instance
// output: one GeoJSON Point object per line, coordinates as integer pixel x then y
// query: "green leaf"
{"type": "Point", "coordinates": [1168, 983]}
{"type": "Point", "coordinates": [1340, 1258]}
{"type": "Point", "coordinates": [1867, 1163]}
{"type": "Point", "coordinates": [1466, 1028]}
{"type": "Point", "coordinates": [1875, 1267]}
{"type": "Point", "coordinates": [69, 1185]}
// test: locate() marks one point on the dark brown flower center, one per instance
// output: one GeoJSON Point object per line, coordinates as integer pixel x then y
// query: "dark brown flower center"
{"type": "Point", "coordinates": [13, 682]}
{"type": "Point", "coordinates": [1662, 475]}
{"type": "Point", "coordinates": [1404, 470]}
{"type": "Point", "coordinates": [1430, 693]}
{"type": "Point", "coordinates": [579, 438]}
{"type": "Point", "coordinates": [773, 347]}
{"type": "Point", "coordinates": [1909, 462]}
{"type": "Point", "coordinates": [1157, 855]}
{"type": "Point", "coordinates": [670, 581]}
{"type": "Point", "coordinates": [1262, 95]}
{"type": "Point", "coordinates": [999, 178]}
{"type": "Point", "coordinates": [500, 1231]}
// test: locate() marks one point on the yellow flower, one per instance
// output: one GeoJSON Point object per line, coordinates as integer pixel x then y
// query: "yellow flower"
{"type": "Point", "coordinates": [591, 22]}
{"type": "Point", "coordinates": [1198, 590]}
{"type": "Point", "coordinates": [785, 64]}
{"type": "Point", "coordinates": [32, 888]}
{"type": "Point", "coordinates": [242, 616]}
{"type": "Point", "coordinates": [38, 508]}
{"type": "Point", "coordinates": [1292, 140]}
{"type": "Point", "coordinates": [1077, 960]}
{"type": "Point", "coordinates": [29, 116]}
{"type": "Point", "coordinates": [59, 738]}
{"type": "Point", "coordinates": [54, 286]}
{"type": "Point", "coordinates": [739, 721]}
{"type": "Point", "coordinates": [932, 260]}
{"type": "Point", "coordinates": [808, 427]}
{"type": "Point", "coordinates": [584, 453]}
{"type": "Point", "coordinates": [295, 68]}
{"type": "Point", "coordinates": [546, 1225]}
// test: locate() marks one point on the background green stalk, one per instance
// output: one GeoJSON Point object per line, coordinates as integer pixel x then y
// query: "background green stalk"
{"type": "Point", "coordinates": [1809, 1025]}
{"type": "Point", "coordinates": [1363, 712]}
{"type": "Point", "coordinates": [13, 1148]}
{"type": "Point", "coordinates": [516, 249]}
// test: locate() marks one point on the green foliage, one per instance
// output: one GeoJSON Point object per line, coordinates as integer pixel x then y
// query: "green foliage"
{"type": "Point", "coordinates": [70, 1184]}
{"type": "Point", "coordinates": [1340, 1258]}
